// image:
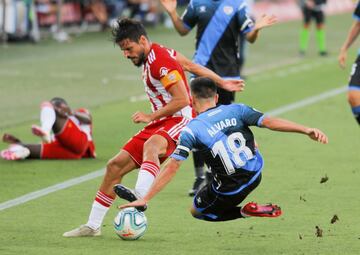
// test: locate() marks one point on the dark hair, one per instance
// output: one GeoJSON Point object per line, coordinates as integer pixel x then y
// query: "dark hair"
{"type": "Point", "coordinates": [58, 101]}
{"type": "Point", "coordinates": [127, 29]}
{"type": "Point", "coordinates": [203, 88]}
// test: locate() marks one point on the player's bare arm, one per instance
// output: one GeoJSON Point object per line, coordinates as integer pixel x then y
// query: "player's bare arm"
{"type": "Point", "coordinates": [170, 8]}
{"type": "Point", "coordinates": [264, 21]}
{"type": "Point", "coordinates": [83, 117]}
{"type": "Point", "coordinates": [198, 70]}
{"type": "Point", "coordinates": [282, 125]}
{"type": "Point", "coordinates": [352, 35]}
{"type": "Point", "coordinates": [178, 101]}
{"type": "Point", "coordinates": [160, 182]}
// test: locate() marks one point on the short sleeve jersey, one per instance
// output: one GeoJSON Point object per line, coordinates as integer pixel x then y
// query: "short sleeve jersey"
{"type": "Point", "coordinates": [160, 72]}
{"type": "Point", "coordinates": [219, 24]}
{"type": "Point", "coordinates": [223, 137]}
{"type": "Point", "coordinates": [87, 128]}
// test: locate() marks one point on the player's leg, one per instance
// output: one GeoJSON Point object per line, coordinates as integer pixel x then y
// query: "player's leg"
{"type": "Point", "coordinates": [305, 31]}
{"type": "Point", "coordinates": [154, 148]}
{"type": "Point", "coordinates": [212, 206]}
{"type": "Point", "coordinates": [156, 142]}
{"type": "Point", "coordinates": [354, 101]}
{"type": "Point", "coordinates": [9, 138]}
{"type": "Point", "coordinates": [354, 90]}
{"type": "Point", "coordinates": [47, 120]}
{"type": "Point", "coordinates": [116, 168]}
{"type": "Point", "coordinates": [199, 167]}
{"type": "Point", "coordinates": [242, 53]}
{"type": "Point", "coordinates": [320, 32]}
{"type": "Point", "coordinates": [18, 150]}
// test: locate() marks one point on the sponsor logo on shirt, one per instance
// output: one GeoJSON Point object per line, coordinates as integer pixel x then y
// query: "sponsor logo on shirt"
{"type": "Point", "coordinates": [202, 9]}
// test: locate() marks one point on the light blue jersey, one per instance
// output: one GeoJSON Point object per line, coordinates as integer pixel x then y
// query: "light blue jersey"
{"type": "Point", "coordinates": [223, 137]}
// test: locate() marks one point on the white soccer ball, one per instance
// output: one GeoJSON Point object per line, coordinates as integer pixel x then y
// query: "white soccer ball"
{"type": "Point", "coordinates": [130, 224]}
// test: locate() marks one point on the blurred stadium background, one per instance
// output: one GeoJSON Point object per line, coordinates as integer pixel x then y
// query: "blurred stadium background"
{"type": "Point", "coordinates": [61, 48]}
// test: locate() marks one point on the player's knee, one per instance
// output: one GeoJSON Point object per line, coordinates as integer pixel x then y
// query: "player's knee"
{"type": "Point", "coordinates": [353, 98]}
{"type": "Point", "coordinates": [195, 213]}
{"type": "Point", "coordinates": [114, 167]}
{"type": "Point", "coordinates": [151, 147]}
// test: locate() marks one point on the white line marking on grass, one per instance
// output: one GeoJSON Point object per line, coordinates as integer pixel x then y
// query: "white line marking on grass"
{"type": "Point", "coordinates": [72, 182]}
{"type": "Point", "coordinates": [307, 101]}
{"type": "Point", "coordinates": [51, 189]}
{"type": "Point", "coordinates": [271, 66]}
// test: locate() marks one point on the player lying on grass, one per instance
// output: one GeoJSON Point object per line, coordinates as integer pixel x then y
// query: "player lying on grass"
{"type": "Point", "coordinates": [167, 89]}
{"type": "Point", "coordinates": [223, 136]}
{"type": "Point", "coordinates": [72, 137]}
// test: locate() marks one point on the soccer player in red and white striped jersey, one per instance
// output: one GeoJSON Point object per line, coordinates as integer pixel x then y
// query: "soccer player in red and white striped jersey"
{"type": "Point", "coordinates": [167, 89]}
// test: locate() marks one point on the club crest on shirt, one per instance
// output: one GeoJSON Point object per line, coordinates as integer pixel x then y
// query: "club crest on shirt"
{"type": "Point", "coordinates": [163, 71]}
{"type": "Point", "coordinates": [202, 9]}
{"type": "Point", "coordinates": [228, 10]}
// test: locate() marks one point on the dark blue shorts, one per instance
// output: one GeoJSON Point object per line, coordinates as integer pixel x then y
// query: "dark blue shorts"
{"type": "Point", "coordinates": [207, 201]}
{"type": "Point", "coordinates": [354, 83]}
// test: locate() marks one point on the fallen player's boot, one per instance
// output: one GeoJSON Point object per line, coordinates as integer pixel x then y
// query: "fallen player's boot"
{"type": "Point", "coordinates": [36, 130]}
{"type": "Point", "coordinates": [15, 152]}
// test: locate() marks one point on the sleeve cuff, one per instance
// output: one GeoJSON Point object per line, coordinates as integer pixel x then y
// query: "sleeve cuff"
{"type": "Point", "coordinates": [260, 120]}
{"type": "Point", "coordinates": [177, 157]}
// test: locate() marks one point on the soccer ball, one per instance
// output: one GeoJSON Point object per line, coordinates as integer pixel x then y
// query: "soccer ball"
{"type": "Point", "coordinates": [130, 224]}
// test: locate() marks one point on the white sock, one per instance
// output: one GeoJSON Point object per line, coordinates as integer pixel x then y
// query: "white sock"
{"type": "Point", "coordinates": [47, 117]}
{"type": "Point", "coordinates": [99, 209]}
{"type": "Point", "coordinates": [148, 171]}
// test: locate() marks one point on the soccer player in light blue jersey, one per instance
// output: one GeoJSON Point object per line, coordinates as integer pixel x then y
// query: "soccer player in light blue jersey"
{"type": "Point", "coordinates": [223, 135]}
{"type": "Point", "coordinates": [354, 83]}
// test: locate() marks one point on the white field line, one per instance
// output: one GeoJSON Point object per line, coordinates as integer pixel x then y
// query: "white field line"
{"type": "Point", "coordinates": [43, 192]}
{"type": "Point", "coordinates": [72, 182]}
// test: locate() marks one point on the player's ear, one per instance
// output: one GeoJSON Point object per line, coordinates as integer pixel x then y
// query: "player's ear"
{"type": "Point", "coordinates": [142, 40]}
{"type": "Point", "coordinates": [216, 98]}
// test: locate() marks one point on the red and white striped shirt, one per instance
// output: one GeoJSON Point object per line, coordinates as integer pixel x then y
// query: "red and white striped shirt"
{"type": "Point", "coordinates": [160, 72]}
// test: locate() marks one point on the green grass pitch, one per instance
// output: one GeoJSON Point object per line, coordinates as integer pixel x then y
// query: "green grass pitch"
{"type": "Point", "coordinates": [92, 72]}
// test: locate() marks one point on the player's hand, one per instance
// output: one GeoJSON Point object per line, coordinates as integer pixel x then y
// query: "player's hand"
{"type": "Point", "coordinates": [62, 111]}
{"type": "Point", "coordinates": [342, 58]}
{"type": "Point", "coordinates": [265, 21]}
{"type": "Point", "coordinates": [140, 117]}
{"type": "Point", "coordinates": [140, 202]}
{"type": "Point", "coordinates": [169, 5]}
{"type": "Point", "coordinates": [317, 135]}
{"type": "Point", "coordinates": [233, 85]}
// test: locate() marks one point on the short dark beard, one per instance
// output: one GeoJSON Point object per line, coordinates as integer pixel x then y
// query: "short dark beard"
{"type": "Point", "coordinates": [141, 60]}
